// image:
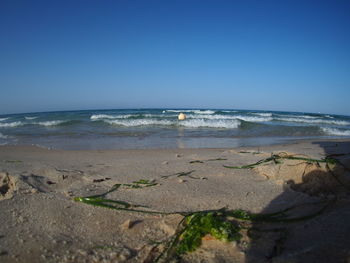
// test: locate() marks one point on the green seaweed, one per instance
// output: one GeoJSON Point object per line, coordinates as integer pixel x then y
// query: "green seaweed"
{"type": "Point", "coordinates": [12, 161]}
{"type": "Point", "coordinates": [140, 184]}
{"type": "Point", "coordinates": [200, 224]}
{"type": "Point", "coordinates": [222, 224]}
{"type": "Point", "coordinates": [278, 158]}
{"type": "Point", "coordinates": [181, 174]}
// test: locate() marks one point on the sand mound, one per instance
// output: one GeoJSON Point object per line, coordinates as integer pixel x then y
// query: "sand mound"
{"type": "Point", "coordinates": [7, 186]}
{"type": "Point", "coordinates": [312, 178]}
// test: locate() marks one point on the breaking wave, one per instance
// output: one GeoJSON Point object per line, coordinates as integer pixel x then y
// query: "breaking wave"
{"type": "Point", "coordinates": [253, 118]}
{"type": "Point", "coordinates": [334, 131]}
{"type": "Point", "coordinates": [4, 119]}
{"type": "Point", "coordinates": [49, 123]}
{"type": "Point", "coordinates": [2, 136]}
{"type": "Point", "coordinates": [102, 116]}
{"type": "Point", "coordinates": [193, 111]}
{"type": "Point", "coordinates": [267, 114]}
{"type": "Point", "coordinates": [190, 123]}
{"type": "Point", "coordinates": [11, 124]}
{"type": "Point", "coordinates": [198, 123]}
{"type": "Point", "coordinates": [313, 120]}
{"type": "Point", "coordinates": [140, 122]}
{"type": "Point", "coordinates": [30, 118]}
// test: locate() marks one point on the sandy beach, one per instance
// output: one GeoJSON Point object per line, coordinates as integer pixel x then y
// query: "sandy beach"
{"type": "Point", "coordinates": [43, 221]}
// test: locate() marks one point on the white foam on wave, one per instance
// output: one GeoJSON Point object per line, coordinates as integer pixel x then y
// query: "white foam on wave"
{"type": "Point", "coordinates": [2, 136]}
{"type": "Point", "coordinates": [101, 116]}
{"type": "Point", "coordinates": [30, 118]}
{"type": "Point", "coordinates": [263, 114]}
{"type": "Point", "coordinates": [97, 117]}
{"type": "Point", "coordinates": [198, 123]}
{"type": "Point", "coordinates": [210, 117]}
{"type": "Point", "coordinates": [253, 119]}
{"type": "Point", "coordinates": [286, 116]}
{"type": "Point", "coordinates": [334, 131]}
{"type": "Point", "coordinates": [193, 111]}
{"type": "Point", "coordinates": [190, 123]}
{"type": "Point", "coordinates": [49, 123]}
{"type": "Point", "coordinates": [139, 122]}
{"type": "Point", "coordinates": [4, 119]}
{"type": "Point", "coordinates": [11, 124]}
{"type": "Point", "coordinates": [313, 121]}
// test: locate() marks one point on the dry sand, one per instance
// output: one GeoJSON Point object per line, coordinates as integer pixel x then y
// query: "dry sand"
{"type": "Point", "coordinates": [40, 221]}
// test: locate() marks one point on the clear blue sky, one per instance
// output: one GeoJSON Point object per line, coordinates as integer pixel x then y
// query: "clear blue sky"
{"type": "Point", "coordinates": [274, 55]}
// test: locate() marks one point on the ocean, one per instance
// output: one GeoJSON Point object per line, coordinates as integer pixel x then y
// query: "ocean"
{"type": "Point", "coordinates": [160, 128]}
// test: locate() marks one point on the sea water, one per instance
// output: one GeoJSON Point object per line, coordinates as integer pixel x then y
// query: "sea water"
{"type": "Point", "coordinates": [160, 128]}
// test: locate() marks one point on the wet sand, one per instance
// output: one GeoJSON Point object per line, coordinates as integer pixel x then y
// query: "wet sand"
{"type": "Point", "coordinates": [41, 222]}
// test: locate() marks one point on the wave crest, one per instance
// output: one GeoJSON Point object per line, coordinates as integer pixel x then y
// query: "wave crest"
{"type": "Point", "coordinates": [49, 123]}
{"type": "Point", "coordinates": [313, 121]}
{"type": "Point", "coordinates": [190, 123]}
{"type": "Point", "coordinates": [193, 111]}
{"type": "Point", "coordinates": [334, 131]}
{"type": "Point", "coordinates": [253, 118]}
{"type": "Point", "coordinates": [11, 124]}
{"type": "Point", "coordinates": [141, 122]}
{"type": "Point", "coordinates": [198, 123]}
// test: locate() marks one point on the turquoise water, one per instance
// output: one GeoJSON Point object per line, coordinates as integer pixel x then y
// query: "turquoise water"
{"type": "Point", "coordinates": [160, 128]}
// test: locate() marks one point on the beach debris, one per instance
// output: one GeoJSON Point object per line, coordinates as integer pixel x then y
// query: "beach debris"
{"type": "Point", "coordinates": [140, 184]}
{"type": "Point", "coordinates": [222, 224]}
{"type": "Point", "coordinates": [12, 161]}
{"type": "Point", "coordinates": [181, 174]}
{"type": "Point", "coordinates": [50, 182]}
{"type": "Point", "coordinates": [100, 180]}
{"type": "Point", "coordinates": [278, 158]}
{"type": "Point", "coordinates": [208, 160]}
{"type": "Point", "coordinates": [196, 161]}
{"type": "Point", "coordinates": [128, 224]}
{"type": "Point", "coordinates": [257, 152]}
{"type": "Point", "coordinates": [181, 116]}
{"type": "Point", "coordinates": [314, 176]}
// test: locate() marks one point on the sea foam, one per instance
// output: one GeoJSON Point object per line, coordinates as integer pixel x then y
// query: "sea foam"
{"type": "Point", "coordinates": [30, 118]}
{"type": "Point", "coordinates": [313, 121]}
{"type": "Point", "coordinates": [190, 123]}
{"type": "Point", "coordinates": [198, 123]}
{"type": "Point", "coordinates": [193, 111]}
{"type": "Point", "coordinates": [3, 119]}
{"type": "Point", "coordinates": [11, 124]}
{"type": "Point", "coordinates": [140, 122]}
{"type": "Point", "coordinates": [334, 131]}
{"type": "Point", "coordinates": [49, 123]}
{"type": "Point", "coordinates": [263, 114]}
{"type": "Point", "coordinates": [253, 118]}
{"type": "Point", "coordinates": [97, 117]}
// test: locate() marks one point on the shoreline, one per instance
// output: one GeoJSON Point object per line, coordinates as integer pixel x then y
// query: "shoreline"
{"type": "Point", "coordinates": [283, 142]}
{"type": "Point", "coordinates": [43, 223]}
